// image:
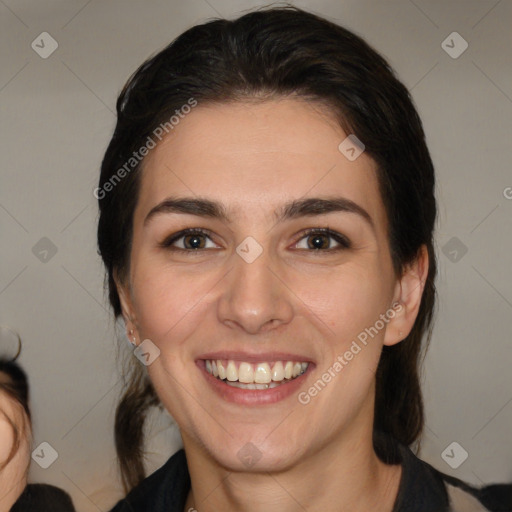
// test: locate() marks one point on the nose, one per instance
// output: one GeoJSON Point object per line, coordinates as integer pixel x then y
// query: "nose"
{"type": "Point", "coordinates": [255, 298]}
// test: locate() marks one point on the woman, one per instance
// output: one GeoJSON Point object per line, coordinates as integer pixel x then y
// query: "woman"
{"type": "Point", "coordinates": [14, 433]}
{"type": "Point", "coordinates": [15, 441]}
{"type": "Point", "coordinates": [266, 220]}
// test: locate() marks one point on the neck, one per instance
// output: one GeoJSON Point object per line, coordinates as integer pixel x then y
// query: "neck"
{"type": "Point", "coordinates": [344, 475]}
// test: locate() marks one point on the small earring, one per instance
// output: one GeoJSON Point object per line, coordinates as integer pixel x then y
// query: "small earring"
{"type": "Point", "coordinates": [133, 339]}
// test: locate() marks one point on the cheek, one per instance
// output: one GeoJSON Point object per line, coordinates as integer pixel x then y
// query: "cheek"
{"type": "Point", "coordinates": [6, 438]}
{"type": "Point", "coordinates": [174, 301]}
{"type": "Point", "coordinates": [169, 303]}
{"type": "Point", "coordinates": [347, 300]}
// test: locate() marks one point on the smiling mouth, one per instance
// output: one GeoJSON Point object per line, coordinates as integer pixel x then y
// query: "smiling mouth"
{"type": "Point", "coordinates": [264, 375]}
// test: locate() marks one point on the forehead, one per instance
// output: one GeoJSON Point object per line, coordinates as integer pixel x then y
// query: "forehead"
{"type": "Point", "coordinates": [251, 156]}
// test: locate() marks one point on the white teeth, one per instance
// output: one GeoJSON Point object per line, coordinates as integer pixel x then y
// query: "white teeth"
{"type": "Point", "coordinates": [261, 375]}
{"type": "Point", "coordinates": [252, 385]}
{"type": "Point", "coordinates": [288, 370]}
{"type": "Point", "coordinates": [231, 373]}
{"type": "Point", "coordinates": [278, 371]}
{"type": "Point", "coordinates": [222, 370]}
{"type": "Point", "coordinates": [245, 373]}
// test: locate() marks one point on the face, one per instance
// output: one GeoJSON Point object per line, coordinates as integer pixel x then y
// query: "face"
{"type": "Point", "coordinates": [13, 474]}
{"type": "Point", "coordinates": [286, 261]}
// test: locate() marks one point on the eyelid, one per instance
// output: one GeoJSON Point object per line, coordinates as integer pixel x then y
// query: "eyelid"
{"type": "Point", "coordinates": [342, 241]}
{"type": "Point", "coordinates": [168, 241]}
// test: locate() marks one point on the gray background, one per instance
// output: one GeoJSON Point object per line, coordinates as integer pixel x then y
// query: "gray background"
{"type": "Point", "coordinates": [57, 118]}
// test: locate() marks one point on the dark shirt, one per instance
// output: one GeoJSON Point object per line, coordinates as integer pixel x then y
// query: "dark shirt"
{"type": "Point", "coordinates": [422, 489]}
{"type": "Point", "coordinates": [43, 498]}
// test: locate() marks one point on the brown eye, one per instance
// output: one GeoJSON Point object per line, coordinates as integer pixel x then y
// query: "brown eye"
{"type": "Point", "coordinates": [189, 240]}
{"type": "Point", "coordinates": [321, 240]}
{"type": "Point", "coordinates": [195, 241]}
{"type": "Point", "coordinates": [318, 242]}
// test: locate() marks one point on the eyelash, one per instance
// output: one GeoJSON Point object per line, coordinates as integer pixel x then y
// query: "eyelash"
{"type": "Point", "coordinates": [343, 242]}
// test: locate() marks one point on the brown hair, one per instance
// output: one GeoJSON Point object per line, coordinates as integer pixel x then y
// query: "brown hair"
{"type": "Point", "coordinates": [280, 52]}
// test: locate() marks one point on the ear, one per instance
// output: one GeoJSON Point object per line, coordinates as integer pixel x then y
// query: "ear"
{"type": "Point", "coordinates": [407, 298]}
{"type": "Point", "coordinates": [127, 309]}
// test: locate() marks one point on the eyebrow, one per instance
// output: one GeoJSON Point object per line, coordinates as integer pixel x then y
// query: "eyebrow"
{"type": "Point", "coordinates": [297, 208]}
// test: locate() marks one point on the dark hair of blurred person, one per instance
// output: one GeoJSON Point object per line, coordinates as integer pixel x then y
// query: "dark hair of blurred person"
{"type": "Point", "coordinates": [16, 495]}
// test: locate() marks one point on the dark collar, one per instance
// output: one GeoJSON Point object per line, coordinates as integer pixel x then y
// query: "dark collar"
{"type": "Point", "coordinates": [421, 487]}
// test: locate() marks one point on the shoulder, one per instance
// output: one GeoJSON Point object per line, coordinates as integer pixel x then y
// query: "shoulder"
{"type": "Point", "coordinates": [463, 497]}
{"type": "Point", "coordinates": [426, 489]}
{"type": "Point", "coordinates": [43, 497]}
{"type": "Point", "coordinates": [164, 490]}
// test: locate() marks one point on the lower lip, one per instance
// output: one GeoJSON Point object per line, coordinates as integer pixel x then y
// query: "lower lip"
{"type": "Point", "coordinates": [254, 396]}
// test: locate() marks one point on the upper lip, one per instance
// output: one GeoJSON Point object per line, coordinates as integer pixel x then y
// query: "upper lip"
{"type": "Point", "coordinates": [254, 357]}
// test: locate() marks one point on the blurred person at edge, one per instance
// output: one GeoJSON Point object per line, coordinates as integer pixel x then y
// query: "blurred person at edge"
{"type": "Point", "coordinates": [287, 208]}
{"type": "Point", "coordinates": [16, 495]}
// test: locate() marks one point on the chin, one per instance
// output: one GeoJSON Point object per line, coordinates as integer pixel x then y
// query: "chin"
{"type": "Point", "coordinates": [255, 453]}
